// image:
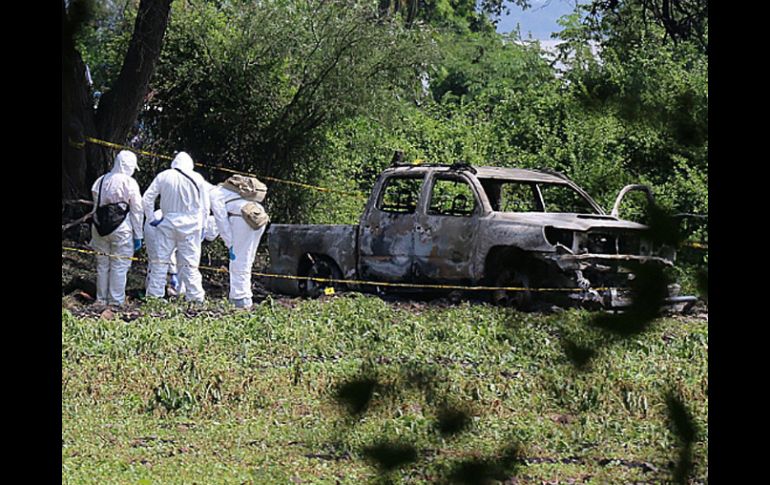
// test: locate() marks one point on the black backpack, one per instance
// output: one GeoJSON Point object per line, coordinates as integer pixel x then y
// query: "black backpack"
{"type": "Point", "coordinates": [108, 217]}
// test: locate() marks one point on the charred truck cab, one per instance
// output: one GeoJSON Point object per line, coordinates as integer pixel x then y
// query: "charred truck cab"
{"type": "Point", "coordinates": [465, 225]}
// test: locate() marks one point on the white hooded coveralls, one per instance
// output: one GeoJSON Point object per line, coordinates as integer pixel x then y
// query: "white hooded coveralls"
{"type": "Point", "coordinates": [111, 271]}
{"type": "Point", "coordinates": [151, 244]}
{"type": "Point", "coordinates": [185, 205]}
{"type": "Point", "coordinates": [236, 233]}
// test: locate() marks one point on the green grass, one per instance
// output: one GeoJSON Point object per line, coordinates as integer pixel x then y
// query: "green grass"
{"type": "Point", "coordinates": [249, 397]}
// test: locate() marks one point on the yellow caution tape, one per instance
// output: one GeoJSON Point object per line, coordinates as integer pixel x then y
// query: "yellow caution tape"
{"type": "Point", "coordinates": [696, 245]}
{"type": "Point", "coordinates": [361, 282]}
{"type": "Point", "coordinates": [108, 144]}
{"type": "Point", "coordinates": [229, 170]}
{"type": "Point", "coordinates": [75, 144]}
{"type": "Point", "coordinates": [133, 258]}
{"type": "Point", "coordinates": [331, 280]}
{"type": "Point", "coordinates": [358, 195]}
{"type": "Point", "coordinates": [98, 253]}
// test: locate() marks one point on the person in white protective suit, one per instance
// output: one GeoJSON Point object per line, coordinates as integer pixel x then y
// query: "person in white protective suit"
{"type": "Point", "coordinates": [209, 233]}
{"type": "Point", "coordinates": [174, 287]}
{"type": "Point", "coordinates": [185, 204]}
{"type": "Point", "coordinates": [117, 186]}
{"type": "Point", "coordinates": [151, 244]}
{"type": "Point", "coordinates": [240, 238]}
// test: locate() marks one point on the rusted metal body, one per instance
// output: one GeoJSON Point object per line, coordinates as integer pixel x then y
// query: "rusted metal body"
{"type": "Point", "coordinates": [465, 235]}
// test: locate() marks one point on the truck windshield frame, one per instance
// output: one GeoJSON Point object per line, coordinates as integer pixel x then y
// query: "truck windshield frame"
{"type": "Point", "coordinates": [522, 196]}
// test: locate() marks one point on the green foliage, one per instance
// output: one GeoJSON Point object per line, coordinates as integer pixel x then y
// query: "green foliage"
{"type": "Point", "coordinates": [250, 395]}
{"type": "Point", "coordinates": [654, 89]}
{"type": "Point", "coordinates": [497, 102]}
{"type": "Point", "coordinates": [460, 16]}
{"type": "Point", "coordinates": [325, 92]}
{"type": "Point", "coordinates": [481, 64]}
{"type": "Point", "coordinates": [254, 86]}
{"type": "Point", "coordinates": [624, 23]}
{"type": "Point", "coordinates": [103, 41]}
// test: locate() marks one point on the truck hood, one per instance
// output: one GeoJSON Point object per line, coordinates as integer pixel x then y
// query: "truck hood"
{"type": "Point", "coordinates": [575, 222]}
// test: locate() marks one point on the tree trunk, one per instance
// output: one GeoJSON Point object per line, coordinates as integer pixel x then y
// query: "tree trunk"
{"type": "Point", "coordinates": [120, 106]}
{"type": "Point", "coordinates": [82, 162]}
{"type": "Point", "coordinates": [77, 116]}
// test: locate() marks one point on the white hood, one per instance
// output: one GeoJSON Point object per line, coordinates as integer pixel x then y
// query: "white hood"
{"type": "Point", "coordinates": [125, 163]}
{"type": "Point", "coordinates": [183, 162]}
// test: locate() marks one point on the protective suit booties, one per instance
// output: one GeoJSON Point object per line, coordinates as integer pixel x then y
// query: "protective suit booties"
{"type": "Point", "coordinates": [185, 204]}
{"type": "Point", "coordinates": [118, 186]}
{"type": "Point", "coordinates": [241, 240]}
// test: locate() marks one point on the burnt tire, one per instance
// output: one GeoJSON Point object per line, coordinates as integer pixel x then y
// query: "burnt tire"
{"type": "Point", "coordinates": [519, 299]}
{"type": "Point", "coordinates": [320, 267]}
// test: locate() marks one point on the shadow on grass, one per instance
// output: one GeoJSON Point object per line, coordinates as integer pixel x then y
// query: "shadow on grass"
{"type": "Point", "coordinates": [355, 395]}
{"type": "Point", "coordinates": [649, 289]}
{"type": "Point", "coordinates": [367, 390]}
{"type": "Point", "coordinates": [648, 292]}
{"type": "Point", "coordinates": [484, 471]}
{"type": "Point", "coordinates": [683, 427]}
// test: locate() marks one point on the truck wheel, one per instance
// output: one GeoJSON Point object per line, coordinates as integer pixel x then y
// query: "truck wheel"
{"type": "Point", "coordinates": [519, 299]}
{"type": "Point", "coordinates": [320, 267]}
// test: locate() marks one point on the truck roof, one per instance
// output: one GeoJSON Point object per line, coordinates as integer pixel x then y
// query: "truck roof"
{"type": "Point", "coordinates": [522, 174]}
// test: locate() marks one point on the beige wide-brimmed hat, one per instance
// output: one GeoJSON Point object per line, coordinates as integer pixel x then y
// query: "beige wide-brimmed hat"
{"type": "Point", "coordinates": [250, 188]}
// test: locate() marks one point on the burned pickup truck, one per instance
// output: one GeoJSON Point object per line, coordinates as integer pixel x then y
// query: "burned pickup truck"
{"type": "Point", "coordinates": [471, 226]}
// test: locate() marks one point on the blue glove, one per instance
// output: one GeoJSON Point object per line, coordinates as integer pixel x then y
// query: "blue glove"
{"type": "Point", "coordinates": [232, 254]}
{"type": "Point", "coordinates": [137, 244]}
{"type": "Point", "coordinates": [156, 222]}
{"type": "Point", "coordinates": [174, 281]}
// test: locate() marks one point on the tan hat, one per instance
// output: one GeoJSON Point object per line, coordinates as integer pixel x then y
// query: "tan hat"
{"type": "Point", "coordinates": [250, 188]}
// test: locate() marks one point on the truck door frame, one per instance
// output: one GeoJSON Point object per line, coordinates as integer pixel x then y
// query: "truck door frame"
{"type": "Point", "coordinates": [386, 238]}
{"type": "Point", "coordinates": [444, 247]}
